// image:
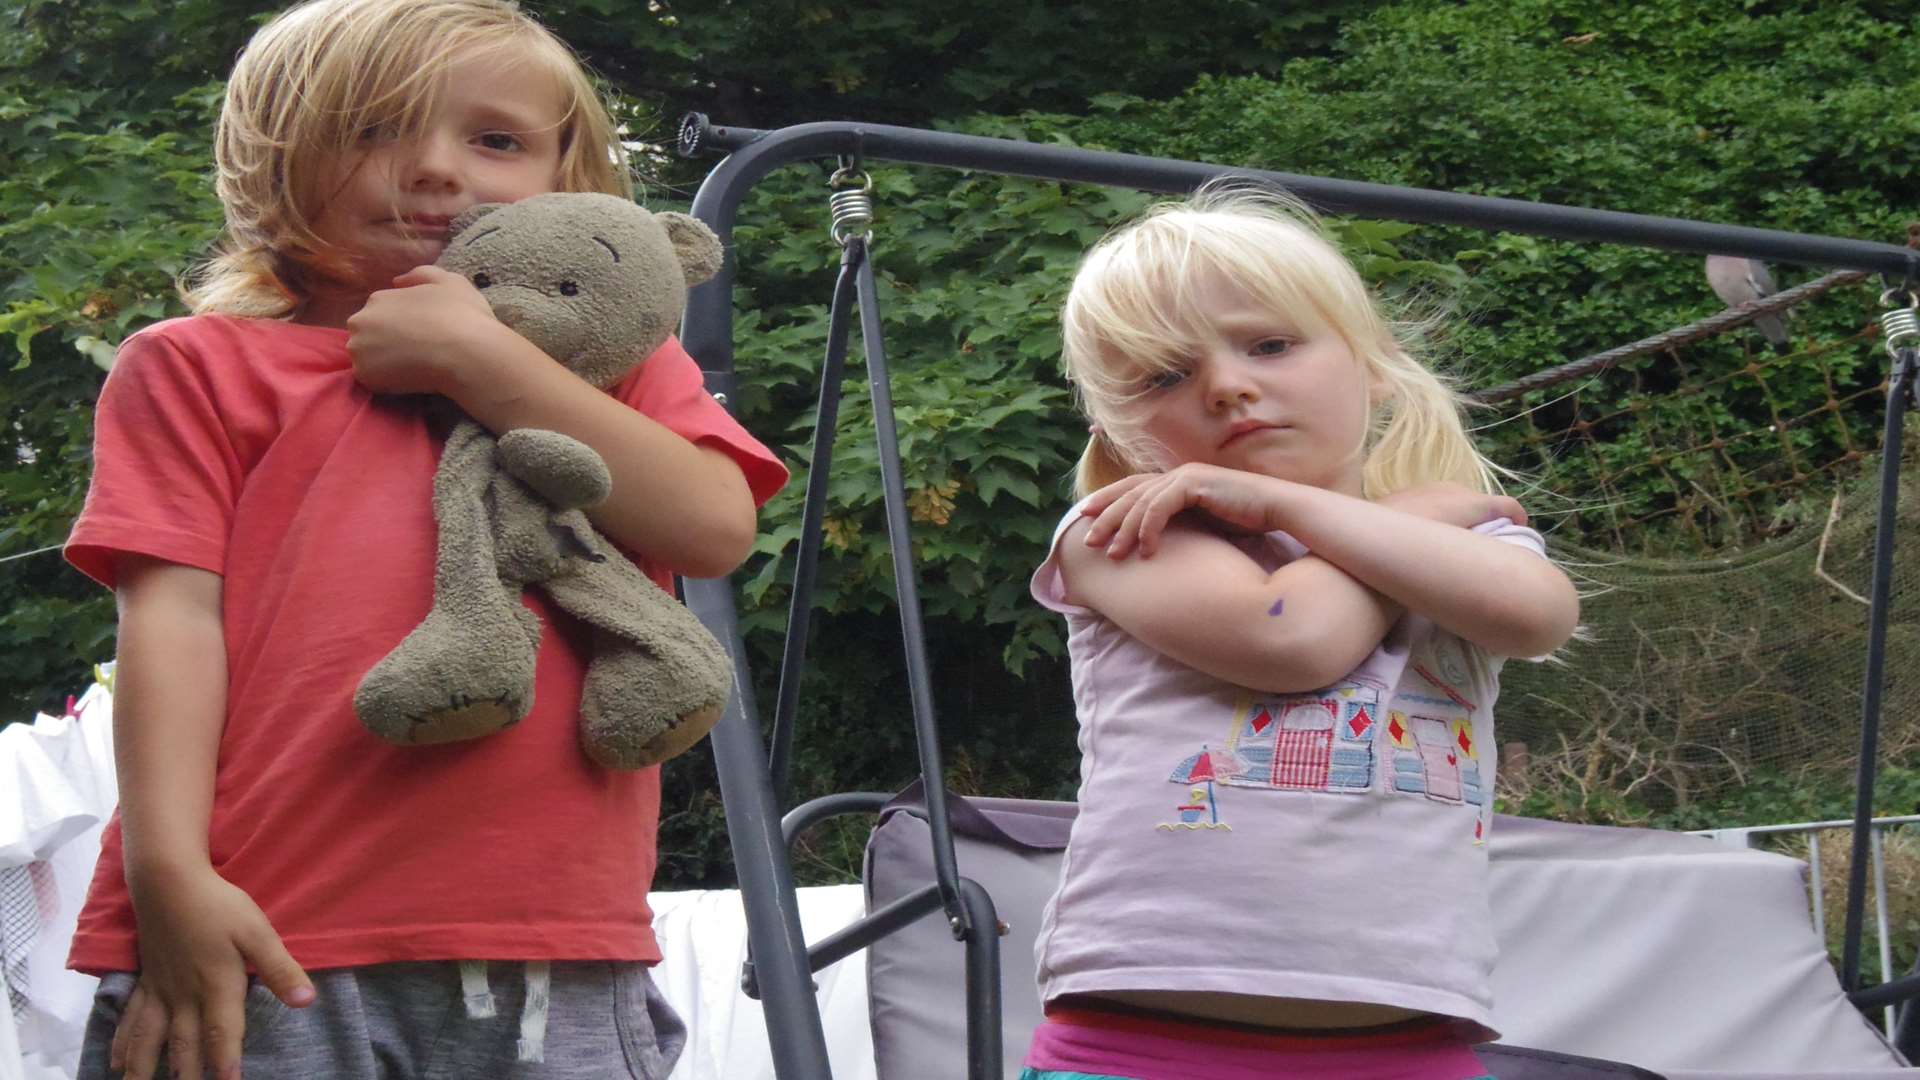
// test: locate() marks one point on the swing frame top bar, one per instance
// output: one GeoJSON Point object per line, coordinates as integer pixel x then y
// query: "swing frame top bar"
{"type": "Point", "coordinates": [752, 153]}
{"type": "Point", "coordinates": [781, 970]}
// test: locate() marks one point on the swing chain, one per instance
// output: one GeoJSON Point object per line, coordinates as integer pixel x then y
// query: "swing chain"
{"type": "Point", "coordinates": [1900, 326]}
{"type": "Point", "coordinates": [851, 205]}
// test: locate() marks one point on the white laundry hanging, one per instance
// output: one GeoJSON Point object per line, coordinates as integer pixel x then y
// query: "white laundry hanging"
{"type": "Point", "coordinates": [60, 776]}
{"type": "Point", "coordinates": [703, 941]}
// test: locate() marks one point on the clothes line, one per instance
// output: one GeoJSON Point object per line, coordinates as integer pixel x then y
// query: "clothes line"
{"type": "Point", "coordinates": [35, 551]}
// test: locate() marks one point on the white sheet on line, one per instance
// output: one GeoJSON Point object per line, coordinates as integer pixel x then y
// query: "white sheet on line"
{"type": "Point", "coordinates": [61, 768]}
{"type": "Point", "coordinates": [703, 942]}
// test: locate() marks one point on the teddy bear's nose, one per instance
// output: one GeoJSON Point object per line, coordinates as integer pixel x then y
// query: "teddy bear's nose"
{"type": "Point", "coordinates": [509, 310]}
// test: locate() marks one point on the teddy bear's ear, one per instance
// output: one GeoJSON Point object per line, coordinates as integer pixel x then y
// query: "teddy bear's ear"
{"type": "Point", "coordinates": [696, 245]}
{"type": "Point", "coordinates": [467, 217]}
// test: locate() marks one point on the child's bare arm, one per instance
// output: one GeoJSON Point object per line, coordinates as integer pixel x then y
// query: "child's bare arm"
{"type": "Point", "coordinates": [1505, 599]}
{"type": "Point", "coordinates": [687, 506]}
{"type": "Point", "coordinates": [197, 932]}
{"type": "Point", "coordinates": [1204, 602]}
{"type": "Point", "coordinates": [1500, 597]}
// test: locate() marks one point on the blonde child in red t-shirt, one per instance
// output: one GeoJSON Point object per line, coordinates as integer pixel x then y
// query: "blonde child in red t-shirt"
{"type": "Point", "coordinates": [261, 504]}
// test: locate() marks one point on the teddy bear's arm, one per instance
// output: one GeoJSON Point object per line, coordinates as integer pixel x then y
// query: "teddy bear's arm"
{"type": "Point", "coordinates": [565, 471]}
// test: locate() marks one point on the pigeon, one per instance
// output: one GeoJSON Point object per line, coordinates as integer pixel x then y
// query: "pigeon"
{"type": "Point", "coordinates": [1736, 281]}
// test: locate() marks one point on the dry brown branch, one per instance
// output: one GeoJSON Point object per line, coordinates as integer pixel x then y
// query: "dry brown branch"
{"type": "Point", "coordinates": [1820, 558]}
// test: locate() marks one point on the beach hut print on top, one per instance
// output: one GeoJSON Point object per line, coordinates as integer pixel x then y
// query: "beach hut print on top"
{"type": "Point", "coordinates": [1302, 742]}
{"type": "Point", "coordinates": [1302, 746]}
{"type": "Point", "coordinates": [1434, 756]}
{"type": "Point", "coordinates": [1331, 741]}
{"type": "Point", "coordinates": [1430, 730]}
{"type": "Point", "coordinates": [1461, 732]}
{"type": "Point", "coordinates": [1438, 758]}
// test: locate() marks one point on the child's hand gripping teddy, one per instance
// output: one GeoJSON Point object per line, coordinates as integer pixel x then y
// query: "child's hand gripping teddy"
{"type": "Point", "coordinates": [598, 283]}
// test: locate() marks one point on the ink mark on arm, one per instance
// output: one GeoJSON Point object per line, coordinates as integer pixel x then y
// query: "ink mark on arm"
{"type": "Point", "coordinates": [1279, 605]}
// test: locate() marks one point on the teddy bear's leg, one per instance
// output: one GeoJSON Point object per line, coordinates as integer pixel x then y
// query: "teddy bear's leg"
{"type": "Point", "coordinates": [447, 680]}
{"type": "Point", "coordinates": [467, 669]}
{"type": "Point", "coordinates": [658, 680]}
{"type": "Point", "coordinates": [634, 711]}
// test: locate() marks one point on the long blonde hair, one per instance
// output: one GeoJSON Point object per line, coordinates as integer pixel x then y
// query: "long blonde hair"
{"type": "Point", "coordinates": [316, 77]}
{"type": "Point", "coordinates": [1123, 321]}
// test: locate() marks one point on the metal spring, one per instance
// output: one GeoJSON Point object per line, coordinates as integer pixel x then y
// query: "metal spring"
{"type": "Point", "coordinates": [852, 208]}
{"type": "Point", "coordinates": [1901, 326]}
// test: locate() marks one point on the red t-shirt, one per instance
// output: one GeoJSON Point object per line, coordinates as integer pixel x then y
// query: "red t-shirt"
{"type": "Point", "coordinates": [245, 447]}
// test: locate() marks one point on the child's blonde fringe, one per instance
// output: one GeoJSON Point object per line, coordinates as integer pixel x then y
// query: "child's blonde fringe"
{"type": "Point", "coordinates": [306, 86]}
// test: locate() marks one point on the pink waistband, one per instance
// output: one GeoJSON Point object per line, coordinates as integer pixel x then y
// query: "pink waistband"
{"type": "Point", "coordinates": [1165, 1048]}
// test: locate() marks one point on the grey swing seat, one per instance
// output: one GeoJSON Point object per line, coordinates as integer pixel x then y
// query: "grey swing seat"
{"type": "Point", "coordinates": [1624, 952]}
{"type": "Point", "coordinates": [1646, 953]}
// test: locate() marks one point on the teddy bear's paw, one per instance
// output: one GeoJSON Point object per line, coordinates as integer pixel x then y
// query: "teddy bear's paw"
{"type": "Point", "coordinates": [565, 471]}
{"type": "Point", "coordinates": [451, 719]}
{"type": "Point", "coordinates": [639, 708]}
{"type": "Point", "coordinates": [452, 678]}
{"type": "Point", "coordinates": [616, 746]}
{"type": "Point", "coordinates": [465, 718]}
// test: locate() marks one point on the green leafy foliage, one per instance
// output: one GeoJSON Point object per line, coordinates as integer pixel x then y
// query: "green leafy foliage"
{"type": "Point", "coordinates": [986, 434]}
{"type": "Point", "coordinates": [1755, 116]}
{"type": "Point", "coordinates": [971, 274]}
{"type": "Point", "coordinates": [917, 61]}
{"type": "Point", "coordinates": [1790, 113]}
{"type": "Point", "coordinates": [104, 201]}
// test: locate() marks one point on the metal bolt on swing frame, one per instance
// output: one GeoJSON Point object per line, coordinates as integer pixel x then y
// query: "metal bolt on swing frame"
{"type": "Point", "coordinates": [753, 787]}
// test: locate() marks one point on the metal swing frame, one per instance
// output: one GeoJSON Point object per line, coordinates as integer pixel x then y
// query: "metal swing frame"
{"type": "Point", "coordinates": [754, 783]}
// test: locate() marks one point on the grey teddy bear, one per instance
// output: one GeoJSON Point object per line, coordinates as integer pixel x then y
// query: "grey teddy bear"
{"type": "Point", "coordinates": [598, 283]}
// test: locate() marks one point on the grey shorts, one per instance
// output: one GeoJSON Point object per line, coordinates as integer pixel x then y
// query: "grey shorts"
{"type": "Point", "coordinates": [394, 1021]}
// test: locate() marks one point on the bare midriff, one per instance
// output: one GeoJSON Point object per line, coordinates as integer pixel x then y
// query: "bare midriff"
{"type": "Point", "coordinates": [1287, 1014]}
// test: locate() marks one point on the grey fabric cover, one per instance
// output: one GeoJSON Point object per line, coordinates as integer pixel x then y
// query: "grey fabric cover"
{"type": "Point", "coordinates": [1522, 1063]}
{"type": "Point", "coordinates": [1669, 951]}
{"type": "Point", "coordinates": [1660, 950]}
{"type": "Point", "coordinates": [916, 982]}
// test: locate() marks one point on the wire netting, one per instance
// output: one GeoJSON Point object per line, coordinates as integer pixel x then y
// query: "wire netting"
{"type": "Point", "coordinates": [1716, 501]}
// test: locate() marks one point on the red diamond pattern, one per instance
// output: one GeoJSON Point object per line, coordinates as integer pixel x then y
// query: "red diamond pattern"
{"type": "Point", "coordinates": [1465, 743]}
{"type": "Point", "coordinates": [1262, 722]}
{"type": "Point", "coordinates": [1360, 723]}
{"type": "Point", "coordinates": [1394, 729]}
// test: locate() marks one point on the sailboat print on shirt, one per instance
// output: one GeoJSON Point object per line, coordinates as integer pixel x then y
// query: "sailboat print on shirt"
{"type": "Point", "coordinates": [1201, 810]}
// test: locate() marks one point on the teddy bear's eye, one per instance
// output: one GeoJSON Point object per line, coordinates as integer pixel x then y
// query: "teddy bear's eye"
{"type": "Point", "coordinates": [482, 281]}
{"type": "Point", "coordinates": [568, 288]}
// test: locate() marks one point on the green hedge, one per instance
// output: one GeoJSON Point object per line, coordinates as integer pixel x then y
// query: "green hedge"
{"type": "Point", "coordinates": [1791, 115]}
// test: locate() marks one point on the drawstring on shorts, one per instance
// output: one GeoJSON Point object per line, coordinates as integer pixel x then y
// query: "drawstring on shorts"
{"type": "Point", "coordinates": [533, 1011]}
